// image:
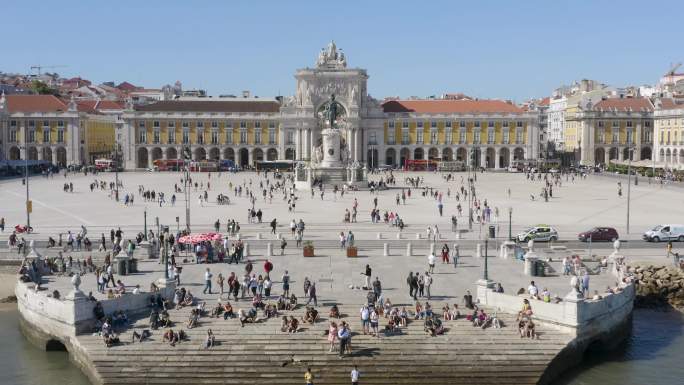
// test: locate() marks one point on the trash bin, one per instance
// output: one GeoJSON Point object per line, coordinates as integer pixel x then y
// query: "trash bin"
{"type": "Point", "coordinates": [133, 267]}
{"type": "Point", "coordinates": [540, 268]}
{"type": "Point", "coordinates": [531, 267]}
{"type": "Point", "coordinates": [492, 232]}
{"type": "Point", "coordinates": [121, 267]}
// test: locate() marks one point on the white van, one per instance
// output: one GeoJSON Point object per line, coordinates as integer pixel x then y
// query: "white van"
{"type": "Point", "coordinates": [665, 233]}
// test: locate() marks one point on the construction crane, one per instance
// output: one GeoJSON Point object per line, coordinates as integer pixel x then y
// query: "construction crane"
{"type": "Point", "coordinates": [40, 67]}
{"type": "Point", "coordinates": [673, 69]}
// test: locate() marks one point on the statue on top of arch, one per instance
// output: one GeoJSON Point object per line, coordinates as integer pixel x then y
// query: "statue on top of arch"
{"type": "Point", "coordinates": [331, 57]}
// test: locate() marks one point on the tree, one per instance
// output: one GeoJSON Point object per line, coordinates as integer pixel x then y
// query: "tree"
{"type": "Point", "coordinates": [41, 88]}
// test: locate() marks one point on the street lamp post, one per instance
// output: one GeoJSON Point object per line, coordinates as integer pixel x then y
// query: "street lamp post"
{"type": "Point", "coordinates": [28, 201]}
{"type": "Point", "coordinates": [510, 222]}
{"type": "Point", "coordinates": [166, 252]}
{"type": "Point", "coordinates": [145, 223]}
{"type": "Point", "coordinates": [629, 182]}
{"type": "Point", "coordinates": [486, 270]}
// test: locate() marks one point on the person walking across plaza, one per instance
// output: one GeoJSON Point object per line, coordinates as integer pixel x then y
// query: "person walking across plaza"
{"type": "Point", "coordinates": [367, 274]}
{"type": "Point", "coordinates": [312, 294]}
{"type": "Point", "coordinates": [355, 375]}
{"type": "Point", "coordinates": [431, 262]}
{"type": "Point", "coordinates": [207, 281]}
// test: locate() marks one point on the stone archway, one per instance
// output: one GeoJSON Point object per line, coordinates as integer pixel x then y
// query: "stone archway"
{"type": "Point", "coordinates": [214, 153]}
{"type": "Point", "coordinates": [518, 154]}
{"type": "Point", "coordinates": [668, 156]}
{"type": "Point", "coordinates": [662, 155]}
{"type": "Point", "coordinates": [156, 154]}
{"type": "Point", "coordinates": [171, 153]}
{"type": "Point", "coordinates": [258, 155]}
{"type": "Point", "coordinates": [462, 154]}
{"type": "Point", "coordinates": [200, 154]}
{"type": "Point", "coordinates": [681, 156]}
{"type": "Point", "coordinates": [626, 154]}
{"type": "Point", "coordinates": [613, 153]}
{"type": "Point", "coordinates": [142, 157]}
{"type": "Point", "coordinates": [229, 153]}
{"type": "Point", "coordinates": [490, 157]}
{"type": "Point", "coordinates": [504, 157]}
{"type": "Point", "coordinates": [62, 156]}
{"type": "Point", "coordinates": [14, 153]}
{"type": "Point", "coordinates": [418, 153]}
{"type": "Point", "coordinates": [32, 153]}
{"type": "Point", "coordinates": [447, 155]}
{"type": "Point", "coordinates": [646, 153]}
{"type": "Point", "coordinates": [47, 154]}
{"type": "Point", "coordinates": [244, 157]}
{"type": "Point", "coordinates": [599, 155]}
{"type": "Point", "coordinates": [290, 154]}
{"type": "Point", "coordinates": [433, 153]}
{"type": "Point", "coordinates": [55, 346]}
{"type": "Point", "coordinates": [390, 157]}
{"type": "Point", "coordinates": [271, 154]}
{"type": "Point", "coordinates": [404, 155]}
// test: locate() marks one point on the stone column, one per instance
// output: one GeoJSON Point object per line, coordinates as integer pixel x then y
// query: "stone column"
{"type": "Point", "coordinates": [587, 148]}
{"type": "Point", "coordinates": [53, 154]}
{"type": "Point", "coordinates": [250, 157]}
{"type": "Point", "coordinates": [356, 145]}
{"type": "Point", "coordinates": [606, 155]}
{"type": "Point", "coordinates": [511, 156]}
{"type": "Point", "coordinates": [483, 157]}
{"type": "Point", "coordinates": [23, 130]}
{"type": "Point", "coordinates": [40, 153]}
{"type": "Point", "coordinates": [621, 154]}
{"type": "Point", "coordinates": [497, 153]}
{"type": "Point", "coordinates": [636, 139]}
{"type": "Point", "coordinates": [150, 159]}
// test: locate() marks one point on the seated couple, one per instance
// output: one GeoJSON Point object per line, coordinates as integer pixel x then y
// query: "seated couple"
{"type": "Point", "coordinates": [290, 325]}
{"type": "Point", "coordinates": [433, 326]}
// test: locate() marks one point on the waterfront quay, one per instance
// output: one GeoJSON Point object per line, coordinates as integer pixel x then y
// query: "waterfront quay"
{"type": "Point", "coordinates": [261, 353]}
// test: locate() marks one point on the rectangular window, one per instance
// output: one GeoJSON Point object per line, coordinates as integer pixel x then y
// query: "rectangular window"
{"type": "Point", "coordinates": [289, 140]}
{"type": "Point", "coordinates": [257, 124]}
{"type": "Point", "coordinates": [13, 123]}
{"type": "Point", "coordinates": [505, 123]}
{"type": "Point", "coordinates": [476, 137]}
{"type": "Point", "coordinates": [243, 136]}
{"type": "Point", "coordinates": [214, 137]}
{"type": "Point", "coordinates": [214, 124]}
{"type": "Point", "coordinates": [141, 124]}
{"type": "Point", "coordinates": [172, 136]}
{"type": "Point", "coordinates": [60, 123]}
{"type": "Point", "coordinates": [648, 124]}
{"type": "Point", "coordinates": [186, 124]}
{"type": "Point", "coordinates": [31, 123]}
{"type": "Point", "coordinates": [243, 124]}
{"type": "Point", "coordinates": [271, 136]}
{"type": "Point", "coordinates": [372, 138]}
{"type": "Point", "coordinates": [601, 123]}
{"type": "Point", "coordinates": [519, 124]}
{"type": "Point", "coordinates": [433, 137]}
{"type": "Point", "coordinates": [433, 124]}
{"type": "Point", "coordinates": [390, 137]}
{"type": "Point", "coordinates": [447, 124]}
{"type": "Point", "coordinates": [200, 124]}
{"type": "Point", "coordinates": [31, 136]}
{"type": "Point", "coordinates": [477, 123]}
{"type": "Point", "coordinates": [506, 136]}
{"type": "Point", "coordinates": [490, 123]}
{"type": "Point", "coordinates": [462, 136]}
{"type": "Point", "coordinates": [13, 136]}
{"type": "Point", "coordinates": [419, 124]}
{"type": "Point", "coordinates": [405, 124]}
{"type": "Point", "coordinates": [404, 137]}
{"type": "Point", "coordinates": [490, 136]}
{"type": "Point", "coordinates": [616, 123]}
{"type": "Point", "coordinates": [390, 124]}
{"type": "Point", "coordinates": [257, 136]}
{"type": "Point", "coordinates": [602, 135]}
{"type": "Point", "coordinates": [616, 136]}
{"type": "Point", "coordinates": [60, 136]}
{"type": "Point", "coordinates": [447, 138]}
{"type": "Point", "coordinates": [156, 136]}
{"type": "Point", "coordinates": [630, 136]}
{"type": "Point", "coordinates": [155, 124]}
{"type": "Point", "coordinates": [271, 125]}
{"type": "Point", "coordinates": [46, 123]}
{"type": "Point", "coordinates": [462, 123]}
{"type": "Point", "coordinates": [629, 123]}
{"type": "Point", "coordinates": [186, 136]}
{"type": "Point", "coordinates": [229, 136]}
{"type": "Point", "coordinates": [142, 136]}
{"type": "Point", "coordinates": [46, 135]}
{"type": "Point", "coordinates": [518, 136]}
{"type": "Point", "coordinates": [200, 136]}
{"type": "Point", "coordinates": [419, 137]}
{"type": "Point", "coordinates": [171, 124]}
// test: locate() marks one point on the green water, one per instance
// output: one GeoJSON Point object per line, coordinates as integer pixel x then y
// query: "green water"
{"type": "Point", "coordinates": [652, 356]}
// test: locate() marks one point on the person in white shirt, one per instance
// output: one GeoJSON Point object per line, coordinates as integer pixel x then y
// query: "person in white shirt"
{"type": "Point", "coordinates": [533, 290]}
{"type": "Point", "coordinates": [355, 375]}
{"type": "Point", "coordinates": [431, 262]}
{"type": "Point", "coordinates": [207, 281]}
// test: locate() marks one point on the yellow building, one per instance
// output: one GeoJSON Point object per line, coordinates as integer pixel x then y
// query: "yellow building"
{"type": "Point", "coordinates": [99, 136]}
{"type": "Point", "coordinates": [669, 133]}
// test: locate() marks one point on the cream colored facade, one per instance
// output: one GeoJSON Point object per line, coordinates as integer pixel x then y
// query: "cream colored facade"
{"type": "Point", "coordinates": [669, 135]}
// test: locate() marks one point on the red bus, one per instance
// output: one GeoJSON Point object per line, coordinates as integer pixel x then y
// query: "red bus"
{"type": "Point", "coordinates": [420, 165]}
{"type": "Point", "coordinates": [105, 164]}
{"type": "Point", "coordinates": [168, 164]}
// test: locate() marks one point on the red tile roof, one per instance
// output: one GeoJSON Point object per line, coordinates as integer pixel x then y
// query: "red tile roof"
{"type": "Point", "coordinates": [126, 86]}
{"type": "Point", "coordinates": [625, 104]}
{"type": "Point", "coordinates": [545, 101]}
{"type": "Point", "coordinates": [34, 103]}
{"type": "Point", "coordinates": [670, 104]}
{"type": "Point", "coordinates": [94, 106]}
{"type": "Point", "coordinates": [451, 106]}
{"type": "Point", "coordinates": [212, 106]}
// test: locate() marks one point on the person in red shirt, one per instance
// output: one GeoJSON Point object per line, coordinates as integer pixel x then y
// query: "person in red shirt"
{"type": "Point", "coordinates": [268, 267]}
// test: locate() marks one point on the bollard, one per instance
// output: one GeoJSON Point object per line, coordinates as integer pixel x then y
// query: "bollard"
{"type": "Point", "coordinates": [478, 251]}
{"type": "Point", "coordinates": [237, 236]}
{"type": "Point", "coordinates": [417, 235]}
{"type": "Point", "coordinates": [269, 249]}
{"type": "Point", "coordinates": [398, 235]}
{"type": "Point", "coordinates": [278, 235]}
{"type": "Point", "coordinates": [432, 248]}
{"type": "Point", "coordinates": [258, 236]}
{"type": "Point", "coordinates": [409, 249]}
{"type": "Point", "coordinates": [246, 251]}
{"type": "Point", "coordinates": [379, 235]}
{"type": "Point", "coordinates": [385, 249]}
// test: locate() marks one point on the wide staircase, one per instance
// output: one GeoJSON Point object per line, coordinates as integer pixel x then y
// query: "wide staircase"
{"type": "Point", "coordinates": [262, 354]}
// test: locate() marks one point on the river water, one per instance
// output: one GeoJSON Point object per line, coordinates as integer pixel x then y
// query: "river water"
{"type": "Point", "coordinates": [652, 356]}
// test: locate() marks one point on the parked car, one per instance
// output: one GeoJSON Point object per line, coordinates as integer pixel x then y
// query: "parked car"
{"type": "Point", "coordinates": [665, 233]}
{"type": "Point", "coordinates": [542, 233]}
{"type": "Point", "coordinates": [513, 169]}
{"type": "Point", "coordinates": [598, 234]}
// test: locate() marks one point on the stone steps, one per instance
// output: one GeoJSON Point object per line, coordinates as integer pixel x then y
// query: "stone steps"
{"type": "Point", "coordinates": [260, 353]}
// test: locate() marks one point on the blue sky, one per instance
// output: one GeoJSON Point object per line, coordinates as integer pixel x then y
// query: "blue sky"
{"type": "Point", "coordinates": [498, 49]}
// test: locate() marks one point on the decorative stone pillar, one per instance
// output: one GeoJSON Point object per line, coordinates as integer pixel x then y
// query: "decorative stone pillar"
{"type": "Point", "coordinates": [496, 158]}
{"type": "Point", "coordinates": [150, 159]}
{"type": "Point", "coordinates": [483, 157]}
{"type": "Point", "coordinates": [606, 155]}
